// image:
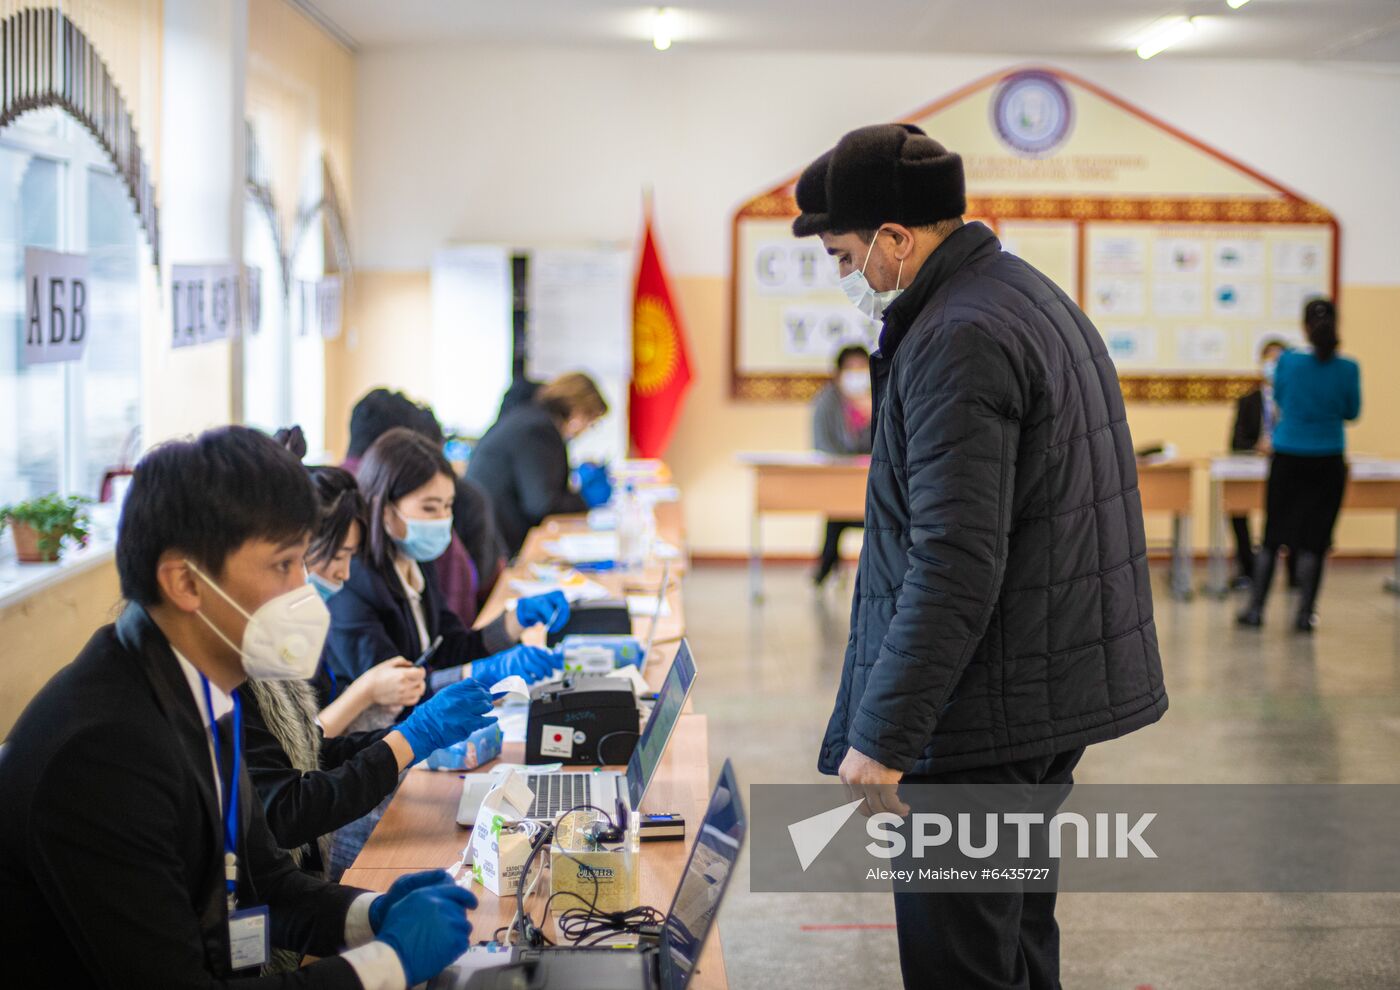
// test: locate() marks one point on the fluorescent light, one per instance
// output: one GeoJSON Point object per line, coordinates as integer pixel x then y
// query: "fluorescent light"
{"type": "Point", "coordinates": [1236, 4]}
{"type": "Point", "coordinates": [1164, 35]}
{"type": "Point", "coordinates": [663, 28]}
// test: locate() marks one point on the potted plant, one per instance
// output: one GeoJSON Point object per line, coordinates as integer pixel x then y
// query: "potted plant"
{"type": "Point", "coordinates": [40, 525]}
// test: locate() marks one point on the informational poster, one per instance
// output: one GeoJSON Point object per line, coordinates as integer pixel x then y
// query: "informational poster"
{"type": "Point", "coordinates": [56, 306]}
{"type": "Point", "coordinates": [1184, 257]}
{"type": "Point", "coordinates": [328, 306]}
{"type": "Point", "coordinates": [252, 299]}
{"type": "Point", "coordinates": [1213, 293]}
{"type": "Point", "coordinates": [204, 303]}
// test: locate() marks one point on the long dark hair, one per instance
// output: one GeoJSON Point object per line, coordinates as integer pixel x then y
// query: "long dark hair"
{"type": "Point", "coordinates": [342, 505]}
{"type": "Point", "coordinates": [397, 464]}
{"type": "Point", "coordinates": [1320, 322]}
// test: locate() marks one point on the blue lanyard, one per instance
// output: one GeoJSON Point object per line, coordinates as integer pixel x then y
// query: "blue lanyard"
{"type": "Point", "coordinates": [230, 792]}
{"type": "Point", "coordinates": [335, 685]}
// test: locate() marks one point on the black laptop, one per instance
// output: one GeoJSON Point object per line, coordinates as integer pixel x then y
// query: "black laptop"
{"type": "Point", "coordinates": [665, 966]}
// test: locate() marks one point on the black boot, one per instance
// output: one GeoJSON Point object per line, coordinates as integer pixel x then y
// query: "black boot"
{"type": "Point", "coordinates": [1253, 614]}
{"type": "Point", "coordinates": [1309, 580]}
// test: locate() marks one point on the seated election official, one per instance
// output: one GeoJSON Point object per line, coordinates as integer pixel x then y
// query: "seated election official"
{"type": "Point", "coordinates": [841, 425]}
{"type": "Point", "coordinates": [312, 782]}
{"type": "Point", "coordinates": [391, 605]}
{"type": "Point", "coordinates": [133, 852]}
{"type": "Point", "coordinates": [523, 460]}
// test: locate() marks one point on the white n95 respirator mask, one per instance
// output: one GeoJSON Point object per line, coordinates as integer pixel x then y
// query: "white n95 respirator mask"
{"type": "Point", "coordinates": [283, 638]}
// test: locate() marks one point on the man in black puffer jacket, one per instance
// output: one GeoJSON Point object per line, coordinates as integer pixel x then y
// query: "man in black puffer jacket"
{"type": "Point", "coordinates": [1002, 618]}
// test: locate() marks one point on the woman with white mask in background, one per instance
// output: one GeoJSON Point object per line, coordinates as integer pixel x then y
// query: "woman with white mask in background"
{"type": "Point", "coordinates": [841, 426]}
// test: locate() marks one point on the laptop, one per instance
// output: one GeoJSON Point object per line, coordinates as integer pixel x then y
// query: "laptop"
{"type": "Point", "coordinates": [668, 965]}
{"type": "Point", "coordinates": [556, 793]}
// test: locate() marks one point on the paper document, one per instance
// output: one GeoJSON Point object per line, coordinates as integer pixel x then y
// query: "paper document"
{"type": "Point", "coordinates": [644, 606]}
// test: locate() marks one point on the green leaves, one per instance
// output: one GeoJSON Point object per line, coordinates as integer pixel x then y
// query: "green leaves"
{"type": "Point", "coordinates": [52, 517]}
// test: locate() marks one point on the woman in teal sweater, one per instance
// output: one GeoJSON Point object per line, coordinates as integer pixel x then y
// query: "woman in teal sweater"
{"type": "Point", "coordinates": [1318, 392]}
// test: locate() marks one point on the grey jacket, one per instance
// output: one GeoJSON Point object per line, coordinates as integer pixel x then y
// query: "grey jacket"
{"type": "Point", "coordinates": [831, 434]}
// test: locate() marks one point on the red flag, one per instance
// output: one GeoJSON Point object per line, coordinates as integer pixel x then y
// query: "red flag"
{"type": "Point", "coordinates": [660, 361]}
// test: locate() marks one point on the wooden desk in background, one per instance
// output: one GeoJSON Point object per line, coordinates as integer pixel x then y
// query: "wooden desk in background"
{"type": "Point", "coordinates": [833, 487]}
{"type": "Point", "coordinates": [1165, 486]}
{"type": "Point", "coordinates": [419, 830]}
{"type": "Point", "coordinates": [1237, 485]}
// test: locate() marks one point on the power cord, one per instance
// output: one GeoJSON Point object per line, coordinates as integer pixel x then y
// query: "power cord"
{"type": "Point", "coordinates": [604, 741]}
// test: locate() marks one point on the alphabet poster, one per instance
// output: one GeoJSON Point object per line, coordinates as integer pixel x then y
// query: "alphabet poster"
{"type": "Point", "coordinates": [205, 303]}
{"type": "Point", "coordinates": [56, 306]}
{"type": "Point", "coordinates": [1184, 258]}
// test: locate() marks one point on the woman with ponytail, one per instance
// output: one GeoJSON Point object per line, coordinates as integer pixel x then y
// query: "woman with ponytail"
{"type": "Point", "coordinates": [1318, 391]}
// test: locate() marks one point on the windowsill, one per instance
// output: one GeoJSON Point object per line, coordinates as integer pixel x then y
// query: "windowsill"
{"type": "Point", "coordinates": [20, 581]}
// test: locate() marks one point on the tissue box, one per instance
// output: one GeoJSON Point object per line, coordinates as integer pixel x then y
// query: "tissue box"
{"type": "Point", "coordinates": [481, 747]}
{"type": "Point", "coordinates": [586, 652]}
{"type": "Point", "coordinates": [500, 841]}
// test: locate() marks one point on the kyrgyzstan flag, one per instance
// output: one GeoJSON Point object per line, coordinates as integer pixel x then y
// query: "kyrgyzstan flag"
{"type": "Point", "coordinates": [660, 362]}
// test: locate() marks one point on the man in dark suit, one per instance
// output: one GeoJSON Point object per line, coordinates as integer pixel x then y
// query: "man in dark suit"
{"type": "Point", "coordinates": [133, 849]}
{"type": "Point", "coordinates": [1255, 418]}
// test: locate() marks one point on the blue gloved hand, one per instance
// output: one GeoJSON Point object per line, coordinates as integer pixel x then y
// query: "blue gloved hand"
{"type": "Point", "coordinates": [593, 484]}
{"type": "Point", "coordinates": [402, 887]}
{"type": "Point", "coordinates": [447, 717]}
{"type": "Point", "coordinates": [428, 929]}
{"type": "Point", "coordinates": [530, 662]}
{"type": "Point", "coordinates": [551, 609]}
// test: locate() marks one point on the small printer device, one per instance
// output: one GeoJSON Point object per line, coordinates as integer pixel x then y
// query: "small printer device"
{"type": "Point", "coordinates": [582, 719]}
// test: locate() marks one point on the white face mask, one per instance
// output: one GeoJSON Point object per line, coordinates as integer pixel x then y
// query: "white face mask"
{"type": "Point", "coordinates": [855, 384]}
{"type": "Point", "coordinates": [283, 638]}
{"type": "Point", "coordinates": [873, 304]}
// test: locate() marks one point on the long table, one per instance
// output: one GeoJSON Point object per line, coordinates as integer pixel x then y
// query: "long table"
{"type": "Point", "coordinates": [1237, 485]}
{"type": "Point", "coordinates": [419, 830]}
{"type": "Point", "coordinates": [812, 482]}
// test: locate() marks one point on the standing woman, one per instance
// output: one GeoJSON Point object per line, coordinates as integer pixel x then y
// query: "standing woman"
{"type": "Point", "coordinates": [1318, 391]}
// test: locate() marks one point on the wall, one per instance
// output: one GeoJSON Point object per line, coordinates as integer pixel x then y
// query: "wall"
{"type": "Point", "coordinates": [536, 146]}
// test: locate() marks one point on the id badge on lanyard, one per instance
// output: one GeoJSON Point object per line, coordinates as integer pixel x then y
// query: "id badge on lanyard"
{"type": "Point", "coordinates": [248, 937]}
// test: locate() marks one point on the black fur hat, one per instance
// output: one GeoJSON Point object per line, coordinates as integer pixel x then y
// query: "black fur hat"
{"type": "Point", "coordinates": [886, 173]}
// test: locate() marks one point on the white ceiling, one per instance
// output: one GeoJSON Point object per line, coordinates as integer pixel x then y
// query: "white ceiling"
{"type": "Point", "coordinates": [1353, 30]}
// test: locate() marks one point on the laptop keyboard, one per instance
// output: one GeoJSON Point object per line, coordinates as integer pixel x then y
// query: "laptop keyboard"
{"type": "Point", "coordinates": [556, 793]}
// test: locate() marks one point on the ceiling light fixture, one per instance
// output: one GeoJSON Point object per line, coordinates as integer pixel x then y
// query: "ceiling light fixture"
{"type": "Point", "coordinates": [1169, 32]}
{"type": "Point", "coordinates": [1236, 4]}
{"type": "Point", "coordinates": [663, 28]}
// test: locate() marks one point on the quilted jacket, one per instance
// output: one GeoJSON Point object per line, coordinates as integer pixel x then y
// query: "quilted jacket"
{"type": "Point", "coordinates": [1002, 605]}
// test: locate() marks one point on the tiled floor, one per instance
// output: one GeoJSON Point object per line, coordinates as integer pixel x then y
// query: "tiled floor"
{"type": "Point", "coordinates": [1245, 707]}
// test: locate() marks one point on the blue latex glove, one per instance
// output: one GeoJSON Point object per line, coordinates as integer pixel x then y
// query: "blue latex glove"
{"type": "Point", "coordinates": [402, 887]}
{"type": "Point", "coordinates": [530, 662]}
{"type": "Point", "coordinates": [447, 717]}
{"type": "Point", "coordinates": [593, 484]}
{"type": "Point", "coordinates": [428, 929]}
{"type": "Point", "coordinates": [551, 609]}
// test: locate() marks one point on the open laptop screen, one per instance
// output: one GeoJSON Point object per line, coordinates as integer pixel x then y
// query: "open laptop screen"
{"type": "Point", "coordinates": [660, 724]}
{"type": "Point", "coordinates": [707, 873]}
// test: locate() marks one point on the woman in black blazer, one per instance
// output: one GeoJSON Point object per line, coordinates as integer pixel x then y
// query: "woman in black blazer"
{"type": "Point", "coordinates": [391, 605]}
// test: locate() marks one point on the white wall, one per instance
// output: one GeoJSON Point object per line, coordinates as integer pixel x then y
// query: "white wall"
{"type": "Point", "coordinates": [546, 146]}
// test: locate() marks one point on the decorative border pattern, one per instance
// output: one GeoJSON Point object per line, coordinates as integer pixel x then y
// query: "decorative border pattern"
{"type": "Point", "coordinates": [49, 62]}
{"type": "Point", "coordinates": [1187, 389]}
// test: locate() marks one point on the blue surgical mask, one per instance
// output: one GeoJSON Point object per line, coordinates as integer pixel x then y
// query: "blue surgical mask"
{"type": "Point", "coordinates": [862, 296]}
{"type": "Point", "coordinates": [324, 586]}
{"type": "Point", "coordinates": [426, 539]}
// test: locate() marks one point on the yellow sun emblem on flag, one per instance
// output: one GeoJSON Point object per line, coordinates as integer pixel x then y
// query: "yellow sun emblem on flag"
{"type": "Point", "coordinates": [654, 351]}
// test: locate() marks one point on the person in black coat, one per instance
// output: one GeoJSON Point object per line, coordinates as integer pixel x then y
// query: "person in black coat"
{"type": "Point", "coordinates": [133, 851]}
{"type": "Point", "coordinates": [523, 460]}
{"type": "Point", "coordinates": [1255, 417]}
{"type": "Point", "coordinates": [1002, 615]}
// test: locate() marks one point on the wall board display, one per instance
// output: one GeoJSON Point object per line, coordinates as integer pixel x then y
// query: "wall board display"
{"type": "Point", "coordinates": [1184, 258]}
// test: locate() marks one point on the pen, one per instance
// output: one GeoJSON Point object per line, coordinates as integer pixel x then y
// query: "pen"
{"type": "Point", "coordinates": [428, 653]}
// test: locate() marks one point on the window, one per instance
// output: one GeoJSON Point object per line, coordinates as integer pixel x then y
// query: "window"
{"type": "Point", "coordinates": [63, 426]}
{"type": "Point", "coordinates": [284, 376]}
